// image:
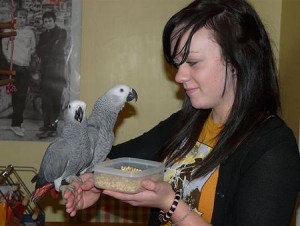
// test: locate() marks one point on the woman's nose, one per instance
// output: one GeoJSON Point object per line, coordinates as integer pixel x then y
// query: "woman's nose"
{"type": "Point", "coordinates": [182, 74]}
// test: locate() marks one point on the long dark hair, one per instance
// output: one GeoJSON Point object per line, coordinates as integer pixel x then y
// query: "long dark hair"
{"type": "Point", "coordinates": [245, 45]}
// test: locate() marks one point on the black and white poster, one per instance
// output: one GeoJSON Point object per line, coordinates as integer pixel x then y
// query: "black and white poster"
{"type": "Point", "coordinates": [39, 66]}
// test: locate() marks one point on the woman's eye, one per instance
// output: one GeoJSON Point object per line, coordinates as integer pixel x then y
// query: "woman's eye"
{"type": "Point", "coordinates": [191, 63]}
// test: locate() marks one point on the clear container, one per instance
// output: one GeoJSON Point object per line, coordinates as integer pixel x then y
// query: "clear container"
{"type": "Point", "coordinates": [125, 174]}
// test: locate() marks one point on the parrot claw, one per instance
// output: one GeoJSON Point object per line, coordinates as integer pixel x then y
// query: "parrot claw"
{"type": "Point", "coordinates": [74, 178]}
{"type": "Point", "coordinates": [64, 188]}
{"type": "Point", "coordinates": [72, 188]}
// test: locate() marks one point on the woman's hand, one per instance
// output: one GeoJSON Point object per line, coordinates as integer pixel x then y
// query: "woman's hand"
{"type": "Point", "coordinates": [84, 196]}
{"type": "Point", "coordinates": [154, 194]}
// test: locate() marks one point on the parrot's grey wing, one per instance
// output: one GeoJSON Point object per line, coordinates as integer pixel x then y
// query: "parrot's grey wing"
{"type": "Point", "coordinates": [80, 154]}
{"type": "Point", "coordinates": [77, 161]}
{"type": "Point", "coordinates": [62, 161]}
{"type": "Point", "coordinates": [93, 135]}
{"type": "Point", "coordinates": [103, 145]}
{"type": "Point", "coordinates": [55, 160]}
{"type": "Point", "coordinates": [102, 142]}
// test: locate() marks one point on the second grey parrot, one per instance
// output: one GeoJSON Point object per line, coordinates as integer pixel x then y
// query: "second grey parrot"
{"type": "Point", "coordinates": [67, 154]}
{"type": "Point", "coordinates": [102, 120]}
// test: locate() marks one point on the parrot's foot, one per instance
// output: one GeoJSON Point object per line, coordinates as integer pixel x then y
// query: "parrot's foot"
{"type": "Point", "coordinates": [74, 178]}
{"type": "Point", "coordinates": [64, 188]}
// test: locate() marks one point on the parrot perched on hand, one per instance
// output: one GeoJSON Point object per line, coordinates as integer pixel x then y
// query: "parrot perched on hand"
{"type": "Point", "coordinates": [67, 155]}
{"type": "Point", "coordinates": [102, 120]}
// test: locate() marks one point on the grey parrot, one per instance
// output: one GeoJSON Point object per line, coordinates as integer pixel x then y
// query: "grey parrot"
{"type": "Point", "coordinates": [66, 155]}
{"type": "Point", "coordinates": [102, 120]}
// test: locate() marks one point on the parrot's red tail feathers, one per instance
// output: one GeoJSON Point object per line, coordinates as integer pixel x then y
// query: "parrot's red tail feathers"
{"type": "Point", "coordinates": [54, 193]}
{"type": "Point", "coordinates": [40, 192]}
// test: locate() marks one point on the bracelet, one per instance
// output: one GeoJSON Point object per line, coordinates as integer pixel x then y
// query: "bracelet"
{"type": "Point", "coordinates": [165, 217]}
{"type": "Point", "coordinates": [183, 218]}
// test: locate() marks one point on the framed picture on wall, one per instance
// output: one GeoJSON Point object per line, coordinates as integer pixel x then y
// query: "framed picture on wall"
{"type": "Point", "coordinates": [43, 61]}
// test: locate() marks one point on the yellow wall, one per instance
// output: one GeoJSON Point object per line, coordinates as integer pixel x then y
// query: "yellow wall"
{"type": "Point", "coordinates": [289, 70]}
{"type": "Point", "coordinates": [270, 13]}
{"type": "Point", "coordinates": [121, 43]}
{"type": "Point", "coordinates": [289, 63]}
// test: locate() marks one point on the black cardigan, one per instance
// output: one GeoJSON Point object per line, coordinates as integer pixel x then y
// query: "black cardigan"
{"type": "Point", "coordinates": [257, 185]}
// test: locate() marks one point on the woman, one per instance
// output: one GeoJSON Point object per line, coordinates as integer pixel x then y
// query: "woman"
{"type": "Point", "coordinates": [230, 159]}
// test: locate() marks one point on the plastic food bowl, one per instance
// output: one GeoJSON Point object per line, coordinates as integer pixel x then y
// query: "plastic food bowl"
{"type": "Point", "coordinates": [125, 174]}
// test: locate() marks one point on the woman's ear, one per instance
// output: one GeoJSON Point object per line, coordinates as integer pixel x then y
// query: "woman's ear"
{"type": "Point", "coordinates": [233, 70]}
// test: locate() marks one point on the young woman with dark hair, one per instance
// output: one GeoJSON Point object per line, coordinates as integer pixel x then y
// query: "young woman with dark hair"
{"type": "Point", "coordinates": [230, 159]}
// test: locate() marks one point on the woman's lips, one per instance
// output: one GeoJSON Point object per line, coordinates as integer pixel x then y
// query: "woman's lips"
{"type": "Point", "coordinates": [189, 91]}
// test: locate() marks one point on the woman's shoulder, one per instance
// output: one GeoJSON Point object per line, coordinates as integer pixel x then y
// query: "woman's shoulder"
{"type": "Point", "coordinates": [272, 140]}
{"type": "Point", "coordinates": [274, 127]}
{"type": "Point", "coordinates": [272, 145]}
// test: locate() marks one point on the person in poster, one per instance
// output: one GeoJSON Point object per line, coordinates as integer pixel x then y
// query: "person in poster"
{"type": "Point", "coordinates": [24, 44]}
{"type": "Point", "coordinates": [68, 17]}
{"type": "Point", "coordinates": [50, 50]}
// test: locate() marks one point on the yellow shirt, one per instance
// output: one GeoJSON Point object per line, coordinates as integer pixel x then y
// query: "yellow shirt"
{"type": "Point", "coordinates": [206, 203]}
{"type": "Point", "coordinates": [198, 193]}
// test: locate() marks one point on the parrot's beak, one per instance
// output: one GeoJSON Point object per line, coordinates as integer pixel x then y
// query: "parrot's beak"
{"type": "Point", "coordinates": [79, 114]}
{"type": "Point", "coordinates": [132, 95]}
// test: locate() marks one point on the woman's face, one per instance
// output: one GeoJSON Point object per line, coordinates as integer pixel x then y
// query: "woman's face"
{"type": "Point", "coordinates": [203, 75]}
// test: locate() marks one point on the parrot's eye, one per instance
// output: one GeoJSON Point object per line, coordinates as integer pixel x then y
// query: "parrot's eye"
{"type": "Point", "coordinates": [69, 106]}
{"type": "Point", "coordinates": [121, 90]}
